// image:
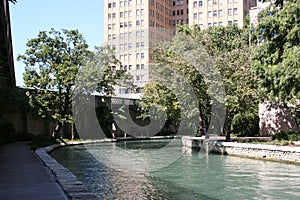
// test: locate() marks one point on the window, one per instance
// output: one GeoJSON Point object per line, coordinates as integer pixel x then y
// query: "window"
{"type": "Point", "coordinates": [209, 24]}
{"type": "Point", "coordinates": [130, 57]}
{"type": "Point", "coordinates": [130, 24]}
{"type": "Point", "coordinates": [129, 67]}
{"type": "Point", "coordinates": [229, 1]}
{"type": "Point", "coordinates": [121, 3]}
{"type": "Point", "coordinates": [121, 35]}
{"type": "Point", "coordinates": [195, 4]}
{"type": "Point", "coordinates": [137, 78]}
{"type": "Point", "coordinates": [130, 13]}
{"type": "Point", "coordinates": [142, 22]}
{"type": "Point", "coordinates": [138, 34]}
{"type": "Point", "coordinates": [125, 3]}
{"type": "Point", "coordinates": [109, 37]}
{"type": "Point", "coordinates": [229, 11]}
{"type": "Point", "coordinates": [209, 14]}
{"type": "Point", "coordinates": [200, 3]}
{"type": "Point", "coordinates": [142, 66]}
{"type": "Point", "coordinates": [174, 12]}
{"type": "Point", "coordinates": [125, 14]}
{"type": "Point", "coordinates": [215, 1]}
{"type": "Point", "coordinates": [229, 23]}
{"type": "Point", "coordinates": [130, 35]}
{"type": "Point", "coordinates": [142, 11]}
{"type": "Point", "coordinates": [109, 5]}
{"type": "Point", "coordinates": [114, 15]}
{"type": "Point", "coordinates": [142, 44]}
{"type": "Point", "coordinates": [195, 15]}
{"type": "Point", "coordinates": [137, 22]}
{"type": "Point", "coordinates": [109, 16]}
{"type": "Point", "coordinates": [114, 4]}
{"type": "Point", "coordinates": [235, 22]}
{"type": "Point", "coordinates": [209, 2]}
{"type": "Point", "coordinates": [130, 2]}
{"type": "Point", "coordinates": [142, 55]}
{"type": "Point", "coordinates": [137, 56]}
{"type": "Point", "coordinates": [220, 1]}
{"type": "Point", "coordinates": [121, 25]}
{"type": "Point", "coordinates": [215, 23]}
{"type": "Point", "coordinates": [201, 15]}
{"type": "Point", "coordinates": [235, 11]}
{"type": "Point", "coordinates": [137, 66]}
{"type": "Point", "coordinates": [121, 14]}
{"type": "Point", "coordinates": [125, 24]}
{"type": "Point", "coordinates": [181, 12]}
{"type": "Point", "coordinates": [137, 12]}
{"type": "Point", "coordinates": [220, 23]}
{"type": "Point", "coordinates": [220, 13]}
{"type": "Point", "coordinates": [109, 26]}
{"type": "Point", "coordinates": [137, 45]}
{"type": "Point", "coordinates": [215, 13]}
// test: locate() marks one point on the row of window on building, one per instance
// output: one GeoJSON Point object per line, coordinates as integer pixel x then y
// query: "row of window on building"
{"type": "Point", "coordinates": [125, 3]}
{"type": "Point", "coordinates": [130, 57]}
{"type": "Point", "coordinates": [126, 46]}
{"type": "Point", "coordinates": [212, 2]}
{"type": "Point", "coordinates": [138, 12]}
{"type": "Point", "coordinates": [128, 35]}
{"type": "Point", "coordinates": [129, 67]}
{"type": "Point", "coordinates": [215, 13]}
{"type": "Point", "coordinates": [127, 24]}
{"type": "Point", "coordinates": [229, 23]}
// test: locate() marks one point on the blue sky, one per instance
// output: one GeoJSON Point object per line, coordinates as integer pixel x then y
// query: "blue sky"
{"type": "Point", "coordinates": [28, 17]}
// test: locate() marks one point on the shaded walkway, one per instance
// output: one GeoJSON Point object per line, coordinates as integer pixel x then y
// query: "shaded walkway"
{"type": "Point", "coordinates": [24, 176]}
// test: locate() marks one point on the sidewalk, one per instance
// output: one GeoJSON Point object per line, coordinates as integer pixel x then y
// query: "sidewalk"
{"type": "Point", "coordinates": [24, 176]}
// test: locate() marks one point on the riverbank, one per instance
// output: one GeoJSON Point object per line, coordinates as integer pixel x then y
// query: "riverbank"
{"type": "Point", "coordinates": [290, 154]}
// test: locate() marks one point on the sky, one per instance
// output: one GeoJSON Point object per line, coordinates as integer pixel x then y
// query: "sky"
{"type": "Point", "coordinates": [28, 17]}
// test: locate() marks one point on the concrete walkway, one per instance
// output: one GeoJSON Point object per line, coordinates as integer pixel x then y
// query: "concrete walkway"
{"type": "Point", "coordinates": [24, 176]}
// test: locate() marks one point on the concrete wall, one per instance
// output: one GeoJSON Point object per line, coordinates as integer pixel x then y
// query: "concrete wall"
{"type": "Point", "coordinates": [275, 118]}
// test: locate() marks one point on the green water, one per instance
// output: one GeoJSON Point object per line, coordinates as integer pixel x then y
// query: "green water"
{"type": "Point", "coordinates": [193, 176]}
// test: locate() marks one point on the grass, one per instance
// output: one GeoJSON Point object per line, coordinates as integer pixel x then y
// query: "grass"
{"type": "Point", "coordinates": [42, 141]}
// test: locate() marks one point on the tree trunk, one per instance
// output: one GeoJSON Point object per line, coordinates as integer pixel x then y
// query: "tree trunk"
{"type": "Point", "coordinates": [56, 131]}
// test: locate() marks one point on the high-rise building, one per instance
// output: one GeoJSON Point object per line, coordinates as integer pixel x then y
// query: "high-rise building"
{"type": "Point", "coordinates": [208, 13]}
{"type": "Point", "coordinates": [7, 72]}
{"type": "Point", "coordinates": [133, 27]}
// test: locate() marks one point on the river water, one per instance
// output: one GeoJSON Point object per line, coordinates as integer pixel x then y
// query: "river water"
{"type": "Point", "coordinates": [194, 175]}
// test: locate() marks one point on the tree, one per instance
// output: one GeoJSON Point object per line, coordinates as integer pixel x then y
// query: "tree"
{"type": "Point", "coordinates": [276, 59]}
{"type": "Point", "coordinates": [53, 60]}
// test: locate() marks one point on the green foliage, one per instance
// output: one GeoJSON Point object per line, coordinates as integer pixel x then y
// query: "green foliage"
{"type": "Point", "coordinates": [276, 60]}
{"type": "Point", "coordinates": [287, 135]}
{"type": "Point", "coordinates": [53, 60]}
{"type": "Point", "coordinates": [245, 124]}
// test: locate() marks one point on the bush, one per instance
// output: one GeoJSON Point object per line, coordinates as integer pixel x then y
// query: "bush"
{"type": "Point", "coordinates": [245, 125]}
{"type": "Point", "coordinates": [287, 135]}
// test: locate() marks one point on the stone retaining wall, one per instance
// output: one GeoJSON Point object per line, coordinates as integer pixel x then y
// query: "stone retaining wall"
{"type": "Point", "coordinates": [268, 152]}
{"type": "Point", "coordinates": [73, 188]}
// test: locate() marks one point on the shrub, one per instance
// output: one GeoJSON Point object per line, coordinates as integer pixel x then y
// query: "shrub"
{"type": "Point", "coordinates": [287, 135]}
{"type": "Point", "coordinates": [245, 124]}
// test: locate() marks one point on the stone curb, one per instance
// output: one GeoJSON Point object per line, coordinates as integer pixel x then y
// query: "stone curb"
{"type": "Point", "coordinates": [69, 183]}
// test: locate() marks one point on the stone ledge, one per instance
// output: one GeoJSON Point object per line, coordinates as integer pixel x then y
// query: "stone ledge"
{"type": "Point", "coordinates": [267, 152]}
{"type": "Point", "coordinates": [73, 188]}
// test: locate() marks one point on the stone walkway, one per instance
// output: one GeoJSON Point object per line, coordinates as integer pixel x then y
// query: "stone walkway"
{"type": "Point", "coordinates": [24, 176]}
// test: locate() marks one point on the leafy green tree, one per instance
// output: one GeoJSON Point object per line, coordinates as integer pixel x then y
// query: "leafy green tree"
{"type": "Point", "coordinates": [276, 59]}
{"type": "Point", "coordinates": [53, 60]}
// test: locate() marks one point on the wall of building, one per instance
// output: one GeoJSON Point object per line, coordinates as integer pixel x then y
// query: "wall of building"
{"type": "Point", "coordinates": [275, 118]}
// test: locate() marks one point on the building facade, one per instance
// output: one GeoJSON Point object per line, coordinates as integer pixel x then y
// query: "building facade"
{"type": "Point", "coordinates": [207, 13]}
{"type": "Point", "coordinates": [7, 72]}
{"type": "Point", "coordinates": [133, 27]}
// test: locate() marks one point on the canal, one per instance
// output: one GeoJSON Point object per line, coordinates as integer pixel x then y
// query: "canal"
{"type": "Point", "coordinates": [194, 175]}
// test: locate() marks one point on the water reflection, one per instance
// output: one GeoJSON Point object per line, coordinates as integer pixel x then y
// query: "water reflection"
{"type": "Point", "coordinates": [193, 176]}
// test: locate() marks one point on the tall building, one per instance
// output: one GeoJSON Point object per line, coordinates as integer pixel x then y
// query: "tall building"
{"type": "Point", "coordinates": [208, 13]}
{"type": "Point", "coordinates": [7, 72]}
{"type": "Point", "coordinates": [133, 27]}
